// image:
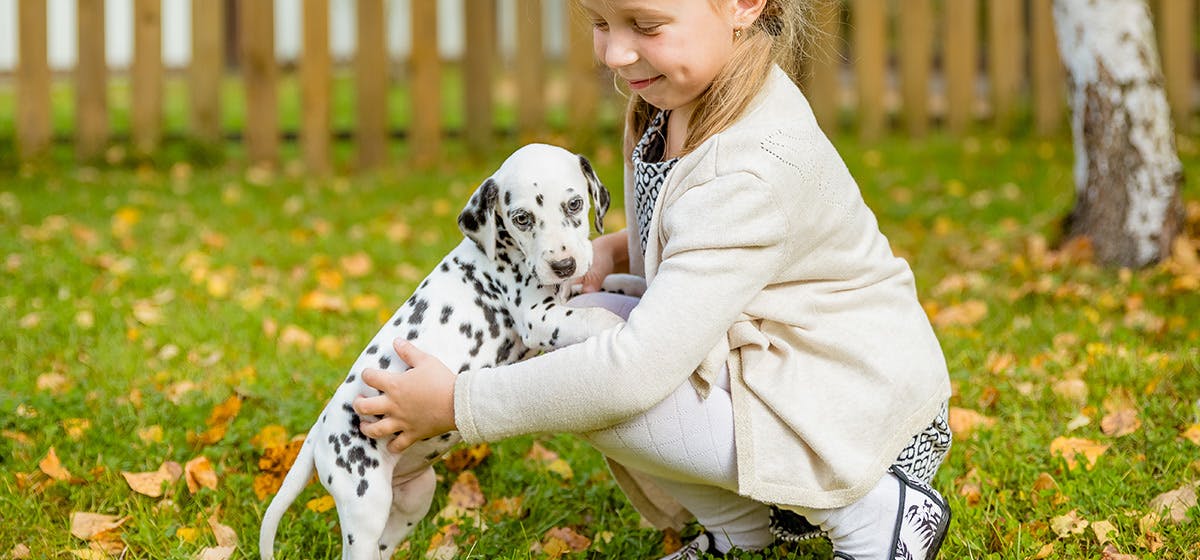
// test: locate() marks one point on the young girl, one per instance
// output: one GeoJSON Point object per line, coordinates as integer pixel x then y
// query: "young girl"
{"type": "Point", "coordinates": [779, 362]}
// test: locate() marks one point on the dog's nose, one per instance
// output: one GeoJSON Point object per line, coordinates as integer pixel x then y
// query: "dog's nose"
{"type": "Point", "coordinates": [563, 268]}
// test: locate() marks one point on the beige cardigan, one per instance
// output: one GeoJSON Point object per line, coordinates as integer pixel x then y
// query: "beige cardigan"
{"type": "Point", "coordinates": [762, 256]}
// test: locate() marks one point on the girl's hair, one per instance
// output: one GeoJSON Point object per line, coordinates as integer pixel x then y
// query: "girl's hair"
{"type": "Point", "coordinates": [779, 36]}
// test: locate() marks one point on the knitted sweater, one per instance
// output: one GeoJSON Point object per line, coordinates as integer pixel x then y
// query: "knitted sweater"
{"type": "Point", "coordinates": [762, 256]}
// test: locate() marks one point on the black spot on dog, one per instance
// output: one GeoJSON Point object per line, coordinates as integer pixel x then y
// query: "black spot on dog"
{"type": "Point", "coordinates": [444, 437]}
{"type": "Point", "coordinates": [350, 538]}
{"type": "Point", "coordinates": [464, 367]}
{"type": "Point", "coordinates": [446, 312]}
{"type": "Point", "coordinates": [384, 362]}
{"type": "Point", "coordinates": [418, 313]}
{"type": "Point", "coordinates": [432, 456]}
{"type": "Point", "coordinates": [372, 349]}
{"type": "Point", "coordinates": [350, 379]}
{"type": "Point", "coordinates": [507, 198]}
{"type": "Point", "coordinates": [329, 480]}
{"type": "Point", "coordinates": [569, 312]}
{"type": "Point", "coordinates": [383, 547]}
{"type": "Point", "coordinates": [411, 335]}
{"type": "Point", "coordinates": [362, 488]}
{"type": "Point", "coordinates": [539, 199]}
{"type": "Point", "coordinates": [444, 267]}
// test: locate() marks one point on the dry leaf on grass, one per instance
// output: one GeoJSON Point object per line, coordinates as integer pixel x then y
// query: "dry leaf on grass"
{"type": "Point", "coordinates": [53, 468]}
{"type": "Point", "coordinates": [965, 314]}
{"type": "Point", "coordinates": [964, 422]}
{"type": "Point", "coordinates": [1104, 531]}
{"type": "Point", "coordinates": [465, 492]}
{"type": "Point", "coordinates": [321, 505]}
{"type": "Point", "coordinates": [1192, 434]}
{"type": "Point", "coordinates": [467, 457]}
{"type": "Point", "coordinates": [1111, 553]}
{"type": "Point", "coordinates": [442, 545]}
{"type": "Point", "coordinates": [218, 422]}
{"type": "Point", "coordinates": [216, 553]}
{"type": "Point", "coordinates": [1177, 502]}
{"type": "Point", "coordinates": [225, 535]}
{"type": "Point", "coordinates": [151, 483]}
{"type": "Point", "coordinates": [19, 552]}
{"type": "Point", "coordinates": [1068, 524]}
{"type": "Point", "coordinates": [1070, 448]}
{"type": "Point", "coordinates": [200, 474]}
{"type": "Point", "coordinates": [275, 462]}
{"type": "Point", "coordinates": [89, 526]}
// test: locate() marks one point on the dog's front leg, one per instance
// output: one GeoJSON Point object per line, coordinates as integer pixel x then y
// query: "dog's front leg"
{"type": "Point", "coordinates": [554, 326]}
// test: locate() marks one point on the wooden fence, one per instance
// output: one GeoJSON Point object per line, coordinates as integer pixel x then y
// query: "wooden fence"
{"type": "Point", "coordinates": [909, 65]}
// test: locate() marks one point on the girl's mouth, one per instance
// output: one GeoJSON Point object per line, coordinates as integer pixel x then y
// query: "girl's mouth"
{"type": "Point", "coordinates": [642, 84]}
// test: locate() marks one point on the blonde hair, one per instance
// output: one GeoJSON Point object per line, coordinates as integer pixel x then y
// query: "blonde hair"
{"type": "Point", "coordinates": [780, 36]}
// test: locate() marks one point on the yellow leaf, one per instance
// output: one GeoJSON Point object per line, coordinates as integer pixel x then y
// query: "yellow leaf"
{"type": "Point", "coordinates": [573, 540]}
{"type": "Point", "coordinates": [1120, 423]}
{"type": "Point", "coordinates": [216, 553]}
{"type": "Point", "coordinates": [75, 427]}
{"type": "Point", "coordinates": [54, 383]}
{"type": "Point", "coordinates": [329, 279]}
{"type": "Point", "coordinates": [270, 436]}
{"type": "Point", "coordinates": [19, 552]}
{"type": "Point", "coordinates": [321, 505]}
{"type": "Point", "coordinates": [964, 314]}
{"type": "Point", "coordinates": [225, 535]}
{"type": "Point", "coordinates": [467, 457]}
{"type": "Point", "coordinates": [465, 492]}
{"type": "Point", "coordinates": [53, 467]}
{"type": "Point", "coordinates": [151, 434]}
{"type": "Point", "coordinates": [964, 422]}
{"type": "Point", "coordinates": [188, 534]}
{"type": "Point", "coordinates": [1046, 551]}
{"type": "Point", "coordinates": [200, 474]}
{"type": "Point", "coordinates": [441, 546]}
{"type": "Point", "coordinates": [1068, 524]}
{"type": "Point", "coordinates": [1177, 502]}
{"type": "Point", "coordinates": [1072, 390]}
{"type": "Point", "coordinates": [1069, 448]}
{"type": "Point", "coordinates": [1192, 434]}
{"type": "Point", "coordinates": [295, 336]}
{"type": "Point", "coordinates": [561, 468]}
{"type": "Point", "coordinates": [218, 421]}
{"type": "Point", "coordinates": [151, 483]}
{"type": "Point", "coordinates": [357, 265]}
{"type": "Point", "coordinates": [330, 347]}
{"type": "Point", "coordinates": [1104, 531]}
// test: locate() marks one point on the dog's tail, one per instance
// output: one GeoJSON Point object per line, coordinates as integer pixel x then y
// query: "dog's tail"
{"type": "Point", "coordinates": [295, 481]}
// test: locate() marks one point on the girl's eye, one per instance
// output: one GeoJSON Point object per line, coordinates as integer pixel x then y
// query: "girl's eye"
{"type": "Point", "coordinates": [647, 27]}
{"type": "Point", "coordinates": [575, 205]}
{"type": "Point", "coordinates": [600, 25]}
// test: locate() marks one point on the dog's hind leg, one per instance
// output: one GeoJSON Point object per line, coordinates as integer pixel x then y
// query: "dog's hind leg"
{"type": "Point", "coordinates": [411, 498]}
{"type": "Point", "coordinates": [362, 497]}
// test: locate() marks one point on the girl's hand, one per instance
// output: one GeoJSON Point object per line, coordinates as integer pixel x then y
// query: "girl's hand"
{"type": "Point", "coordinates": [415, 405]}
{"type": "Point", "coordinates": [607, 251]}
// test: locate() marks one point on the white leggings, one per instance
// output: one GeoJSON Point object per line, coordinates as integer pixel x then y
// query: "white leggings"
{"type": "Point", "coordinates": [685, 444]}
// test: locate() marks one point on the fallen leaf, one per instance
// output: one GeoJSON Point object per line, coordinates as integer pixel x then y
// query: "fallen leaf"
{"type": "Point", "coordinates": [151, 434]}
{"type": "Point", "coordinates": [1104, 531]}
{"type": "Point", "coordinates": [274, 463]}
{"type": "Point", "coordinates": [295, 336]}
{"type": "Point", "coordinates": [357, 265]}
{"type": "Point", "coordinates": [1177, 502]}
{"type": "Point", "coordinates": [188, 534]}
{"type": "Point", "coordinates": [573, 540]}
{"type": "Point", "coordinates": [1069, 448]}
{"type": "Point", "coordinates": [1072, 390]}
{"type": "Point", "coordinates": [442, 546]}
{"type": "Point", "coordinates": [54, 383]}
{"type": "Point", "coordinates": [1068, 524]}
{"type": "Point", "coordinates": [964, 422]}
{"type": "Point", "coordinates": [1120, 423]}
{"type": "Point", "coordinates": [218, 421]}
{"type": "Point", "coordinates": [19, 552]}
{"type": "Point", "coordinates": [270, 436]}
{"type": "Point", "coordinates": [964, 314]}
{"type": "Point", "coordinates": [561, 468]}
{"type": "Point", "coordinates": [465, 492]}
{"type": "Point", "coordinates": [216, 553]}
{"type": "Point", "coordinates": [1192, 434]}
{"type": "Point", "coordinates": [54, 469]}
{"type": "Point", "coordinates": [151, 483]}
{"type": "Point", "coordinates": [467, 457]}
{"type": "Point", "coordinates": [1111, 553]}
{"type": "Point", "coordinates": [87, 526]}
{"type": "Point", "coordinates": [1045, 552]}
{"type": "Point", "coordinates": [200, 474]}
{"type": "Point", "coordinates": [501, 508]}
{"type": "Point", "coordinates": [321, 505]}
{"type": "Point", "coordinates": [225, 535]}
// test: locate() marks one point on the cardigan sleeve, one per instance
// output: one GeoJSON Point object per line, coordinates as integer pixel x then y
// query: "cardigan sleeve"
{"type": "Point", "coordinates": [723, 245]}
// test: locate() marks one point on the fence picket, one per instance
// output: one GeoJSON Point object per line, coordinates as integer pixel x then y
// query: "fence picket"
{"type": "Point", "coordinates": [583, 93]}
{"type": "Point", "coordinates": [425, 79]}
{"type": "Point", "coordinates": [1006, 42]}
{"type": "Point", "coordinates": [316, 76]}
{"type": "Point", "coordinates": [371, 82]}
{"type": "Point", "coordinates": [870, 58]}
{"type": "Point", "coordinates": [531, 76]}
{"type": "Point", "coordinates": [33, 80]}
{"type": "Point", "coordinates": [259, 74]}
{"type": "Point", "coordinates": [916, 60]}
{"type": "Point", "coordinates": [960, 55]}
{"type": "Point", "coordinates": [207, 68]}
{"type": "Point", "coordinates": [480, 57]}
{"type": "Point", "coordinates": [147, 77]}
{"type": "Point", "coordinates": [91, 82]}
{"type": "Point", "coordinates": [1176, 29]}
{"type": "Point", "coordinates": [1048, 79]}
{"type": "Point", "coordinates": [823, 65]}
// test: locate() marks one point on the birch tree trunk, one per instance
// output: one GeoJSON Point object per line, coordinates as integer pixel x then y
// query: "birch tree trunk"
{"type": "Point", "coordinates": [1127, 171]}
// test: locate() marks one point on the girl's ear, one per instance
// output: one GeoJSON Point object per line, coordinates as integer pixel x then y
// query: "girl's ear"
{"type": "Point", "coordinates": [746, 12]}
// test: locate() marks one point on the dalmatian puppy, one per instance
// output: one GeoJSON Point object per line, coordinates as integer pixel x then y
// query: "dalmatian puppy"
{"type": "Point", "coordinates": [496, 298]}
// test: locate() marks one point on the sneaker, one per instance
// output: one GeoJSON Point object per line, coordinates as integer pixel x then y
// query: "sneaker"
{"type": "Point", "coordinates": [702, 544]}
{"type": "Point", "coordinates": [922, 521]}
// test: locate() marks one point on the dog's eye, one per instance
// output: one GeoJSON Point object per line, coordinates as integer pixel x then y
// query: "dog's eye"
{"type": "Point", "coordinates": [575, 205]}
{"type": "Point", "coordinates": [522, 220]}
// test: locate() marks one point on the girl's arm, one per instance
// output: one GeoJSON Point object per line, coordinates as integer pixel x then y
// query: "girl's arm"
{"type": "Point", "coordinates": [610, 254]}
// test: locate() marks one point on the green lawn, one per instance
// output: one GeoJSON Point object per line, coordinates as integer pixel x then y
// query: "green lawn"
{"type": "Point", "coordinates": [137, 300]}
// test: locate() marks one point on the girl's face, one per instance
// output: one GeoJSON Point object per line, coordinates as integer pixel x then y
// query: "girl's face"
{"type": "Point", "coordinates": [668, 51]}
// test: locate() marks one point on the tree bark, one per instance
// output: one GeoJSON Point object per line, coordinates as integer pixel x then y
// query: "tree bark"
{"type": "Point", "coordinates": [1127, 171]}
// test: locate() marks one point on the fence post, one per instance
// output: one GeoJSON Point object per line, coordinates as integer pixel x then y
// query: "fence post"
{"type": "Point", "coordinates": [425, 81]}
{"type": "Point", "coordinates": [870, 44]}
{"type": "Point", "coordinates": [960, 55]}
{"type": "Point", "coordinates": [824, 65]}
{"type": "Point", "coordinates": [147, 78]}
{"type": "Point", "coordinates": [91, 82]}
{"type": "Point", "coordinates": [916, 59]}
{"type": "Point", "coordinates": [1049, 81]}
{"type": "Point", "coordinates": [1006, 51]}
{"type": "Point", "coordinates": [480, 55]}
{"type": "Point", "coordinates": [207, 69]}
{"type": "Point", "coordinates": [1176, 31]}
{"type": "Point", "coordinates": [531, 92]}
{"type": "Point", "coordinates": [259, 74]}
{"type": "Point", "coordinates": [371, 81]}
{"type": "Point", "coordinates": [33, 80]}
{"type": "Point", "coordinates": [315, 78]}
{"type": "Point", "coordinates": [582, 81]}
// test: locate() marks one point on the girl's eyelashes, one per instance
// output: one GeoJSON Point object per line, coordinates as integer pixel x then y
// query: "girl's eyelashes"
{"type": "Point", "coordinates": [647, 28]}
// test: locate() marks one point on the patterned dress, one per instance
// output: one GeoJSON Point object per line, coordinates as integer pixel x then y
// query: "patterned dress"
{"type": "Point", "coordinates": [923, 455]}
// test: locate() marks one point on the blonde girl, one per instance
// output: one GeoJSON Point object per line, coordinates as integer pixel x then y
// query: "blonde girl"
{"type": "Point", "coordinates": [778, 378]}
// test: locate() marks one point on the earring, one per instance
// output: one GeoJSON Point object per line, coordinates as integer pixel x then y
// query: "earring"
{"type": "Point", "coordinates": [737, 33]}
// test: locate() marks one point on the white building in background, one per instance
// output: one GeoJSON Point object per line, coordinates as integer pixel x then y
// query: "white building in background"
{"type": "Point", "coordinates": [176, 15]}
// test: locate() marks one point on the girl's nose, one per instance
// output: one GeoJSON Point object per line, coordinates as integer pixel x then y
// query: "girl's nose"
{"type": "Point", "coordinates": [616, 49]}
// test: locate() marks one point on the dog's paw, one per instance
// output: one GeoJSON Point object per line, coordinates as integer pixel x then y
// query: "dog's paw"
{"type": "Point", "coordinates": [624, 284]}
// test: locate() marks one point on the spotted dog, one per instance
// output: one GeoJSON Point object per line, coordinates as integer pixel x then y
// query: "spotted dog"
{"type": "Point", "coordinates": [495, 299]}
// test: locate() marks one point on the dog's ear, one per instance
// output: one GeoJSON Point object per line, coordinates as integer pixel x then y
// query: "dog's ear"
{"type": "Point", "coordinates": [478, 219]}
{"type": "Point", "coordinates": [599, 192]}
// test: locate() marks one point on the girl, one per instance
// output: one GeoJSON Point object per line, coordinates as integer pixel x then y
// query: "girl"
{"type": "Point", "coordinates": [779, 362]}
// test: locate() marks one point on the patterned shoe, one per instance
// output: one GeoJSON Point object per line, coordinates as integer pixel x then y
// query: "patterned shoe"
{"type": "Point", "coordinates": [702, 544]}
{"type": "Point", "coordinates": [922, 521]}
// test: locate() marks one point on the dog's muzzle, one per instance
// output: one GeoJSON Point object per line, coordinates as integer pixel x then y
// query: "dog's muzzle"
{"type": "Point", "coordinates": [564, 268]}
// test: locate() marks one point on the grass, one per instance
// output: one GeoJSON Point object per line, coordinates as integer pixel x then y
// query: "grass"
{"type": "Point", "coordinates": [142, 297]}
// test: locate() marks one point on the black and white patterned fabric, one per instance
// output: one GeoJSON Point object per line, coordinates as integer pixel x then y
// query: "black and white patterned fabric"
{"type": "Point", "coordinates": [650, 172]}
{"type": "Point", "coordinates": [920, 460]}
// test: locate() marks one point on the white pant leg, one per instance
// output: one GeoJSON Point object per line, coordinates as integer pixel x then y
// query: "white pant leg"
{"type": "Point", "coordinates": [686, 444]}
